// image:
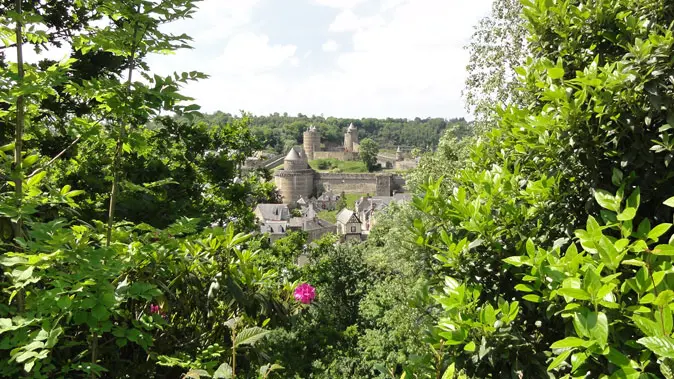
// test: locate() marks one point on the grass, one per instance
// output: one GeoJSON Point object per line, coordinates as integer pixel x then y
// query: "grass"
{"type": "Point", "coordinates": [335, 165]}
{"type": "Point", "coordinates": [331, 216]}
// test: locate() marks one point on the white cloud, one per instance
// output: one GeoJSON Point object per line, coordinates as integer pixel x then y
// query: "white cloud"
{"type": "Point", "coordinates": [330, 46]}
{"type": "Point", "coordinates": [249, 53]}
{"type": "Point", "coordinates": [340, 4]}
{"type": "Point", "coordinates": [405, 61]}
{"type": "Point", "coordinates": [347, 21]}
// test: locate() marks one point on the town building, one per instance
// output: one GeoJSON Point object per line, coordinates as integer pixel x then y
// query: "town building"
{"type": "Point", "coordinates": [368, 206]}
{"type": "Point", "coordinates": [349, 226]}
{"type": "Point", "coordinates": [327, 201]}
{"type": "Point", "coordinates": [276, 221]}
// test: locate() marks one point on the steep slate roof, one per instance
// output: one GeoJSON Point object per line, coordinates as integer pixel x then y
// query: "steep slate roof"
{"type": "Point", "coordinates": [273, 212]}
{"type": "Point", "coordinates": [346, 216]}
{"type": "Point", "coordinates": [274, 227]}
{"type": "Point", "coordinates": [309, 212]}
{"type": "Point", "coordinates": [380, 202]}
{"type": "Point", "coordinates": [308, 224]}
{"type": "Point", "coordinates": [292, 155]}
{"type": "Point", "coordinates": [328, 196]}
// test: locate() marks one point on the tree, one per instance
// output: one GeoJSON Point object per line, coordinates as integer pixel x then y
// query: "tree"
{"type": "Point", "coordinates": [564, 204]}
{"type": "Point", "coordinates": [368, 153]}
{"type": "Point", "coordinates": [341, 202]}
{"type": "Point", "coordinates": [499, 37]}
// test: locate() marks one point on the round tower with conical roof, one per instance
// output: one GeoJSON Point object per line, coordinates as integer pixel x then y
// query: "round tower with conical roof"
{"type": "Point", "coordinates": [296, 179]}
{"type": "Point", "coordinates": [399, 155]}
{"type": "Point", "coordinates": [312, 142]}
{"type": "Point", "coordinates": [351, 139]}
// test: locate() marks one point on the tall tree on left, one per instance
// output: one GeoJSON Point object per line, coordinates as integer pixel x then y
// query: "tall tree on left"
{"type": "Point", "coordinates": [63, 277]}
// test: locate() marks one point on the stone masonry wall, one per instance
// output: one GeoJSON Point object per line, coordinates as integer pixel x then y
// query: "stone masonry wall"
{"type": "Point", "coordinates": [374, 184]}
{"type": "Point", "coordinates": [341, 155]}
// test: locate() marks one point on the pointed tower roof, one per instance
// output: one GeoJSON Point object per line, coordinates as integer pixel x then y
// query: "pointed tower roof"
{"type": "Point", "coordinates": [292, 156]}
{"type": "Point", "coordinates": [351, 127]}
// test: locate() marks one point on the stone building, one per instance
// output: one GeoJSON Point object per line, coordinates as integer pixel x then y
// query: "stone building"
{"type": "Point", "coordinates": [349, 226]}
{"type": "Point", "coordinates": [296, 179]}
{"type": "Point", "coordinates": [351, 142]}
{"type": "Point", "coordinates": [367, 207]}
{"type": "Point", "coordinates": [311, 142]}
{"type": "Point", "coordinates": [327, 201]}
{"type": "Point", "coordinates": [276, 221]}
{"type": "Point", "coordinates": [273, 220]}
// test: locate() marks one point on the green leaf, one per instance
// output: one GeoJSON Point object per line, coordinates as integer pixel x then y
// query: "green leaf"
{"type": "Point", "coordinates": [559, 359]}
{"type": "Point", "coordinates": [669, 202]}
{"type": "Point", "coordinates": [627, 214]}
{"type": "Point", "coordinates": [100, 312]}
{"type": "Point", "coordinates": [470, 346]}
{"type": "Point", "coordinates": [663, 250]}
{"type": "Point", "coordinates": [29, 160]}
{"type": "Point", "coordinates": [556, 73]}
{"type": "Point", "coordinates": [570, 342]}
{"type": "Point", "coordinates": [250, 336]}
{"type": "Point", "coordinates": [635, 199]}
{"type": "Point", "coordinates": [598, 327]}
{"type": "Point", "coordinates": [516, 261]}
{"type": "Point", "coordinates": [64, 302]}
{"type": "Point", "coordinates": [532, 298]}
{"type": "Point", "coordinates": [661, 346]}
{"type": "Point", "coordinates": [575, 293]}
{"type": "Point", "coordinates": [524, 288]}
{"type": "Point", "coordinates": [659, 230]}
{"type": "Point", "coordinates": [606, 200]}
{"type": "Point", "coordinates": [35, 179]}
{"type": "Point", "coordinates": [617, 177]}
{"type": "Point", "coordinates": [449, 373]}
{"type": "Point", "coordinates": [223, 372]}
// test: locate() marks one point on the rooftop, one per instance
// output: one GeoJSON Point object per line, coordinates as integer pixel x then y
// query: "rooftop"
{"type": "Point", "coordinates": [273, 212]}
{"type": "Point", "coordinates": [292, 156]}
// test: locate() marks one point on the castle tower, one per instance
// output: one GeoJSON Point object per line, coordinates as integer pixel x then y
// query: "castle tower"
{"type": "Point", "coordinates": [399, 155]}
{"type": "Point", "coordinates": [312, 142]}
{"type": "Point", "coordinates": [351, 139]}
{"type": "Point", "coordinates": [296, 179]}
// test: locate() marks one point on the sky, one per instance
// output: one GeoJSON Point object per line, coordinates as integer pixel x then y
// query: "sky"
{"type": "Point", "coordinates": [341, 58]}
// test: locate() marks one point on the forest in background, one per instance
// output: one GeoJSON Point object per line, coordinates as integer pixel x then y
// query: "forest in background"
{"type": "Point", "coordinates": [541, 246]}
{"type": "Point", "coordinates": [279, 132]}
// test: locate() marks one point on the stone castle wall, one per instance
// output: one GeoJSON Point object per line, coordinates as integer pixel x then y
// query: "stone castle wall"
{"type": "Point", "coordinates": [341, 155]}
{"type": "Point", "coordinates": [406, 165]}
{"type": "Point", "coordinates": [374, 184]}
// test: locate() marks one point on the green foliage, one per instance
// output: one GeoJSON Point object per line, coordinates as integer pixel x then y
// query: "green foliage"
{"type": "Point", "coordinates": [589, 130]}
{"type": "Point", "coordinates": [336, 165]}
{"type": "Point", "coordinates": [341, 202]}
{"type": "Point", "coordinates": [501, 37]}
{"type": "Point", "coordinates": [368, 153]}
{"type": "Point", "coordinates": [279, 132]}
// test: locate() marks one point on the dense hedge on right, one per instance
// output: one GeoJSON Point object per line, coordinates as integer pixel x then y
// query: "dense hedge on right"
{"type": "Point", "coordinates": [555, 237]}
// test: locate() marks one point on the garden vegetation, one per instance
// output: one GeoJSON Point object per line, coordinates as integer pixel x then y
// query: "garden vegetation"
{"type": "Point", "coordinates": [538, 246]}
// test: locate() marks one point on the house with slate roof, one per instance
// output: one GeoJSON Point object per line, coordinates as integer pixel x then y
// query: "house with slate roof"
{"type": "Point", "coordinates": [349, 226]}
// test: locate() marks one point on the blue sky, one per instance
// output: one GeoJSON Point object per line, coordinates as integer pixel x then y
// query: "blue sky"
{"type": "Point", "coordinates": [342, 58]}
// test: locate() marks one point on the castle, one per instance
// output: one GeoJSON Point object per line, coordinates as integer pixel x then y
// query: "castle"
{"type": "Point", "coordinates": [297, 180]}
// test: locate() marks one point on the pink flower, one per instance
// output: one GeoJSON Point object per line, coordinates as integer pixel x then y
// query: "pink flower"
{"type": "Point", "coordinates": [305, 293]}
{"type": "Point", "coordinates": [154, 308]}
